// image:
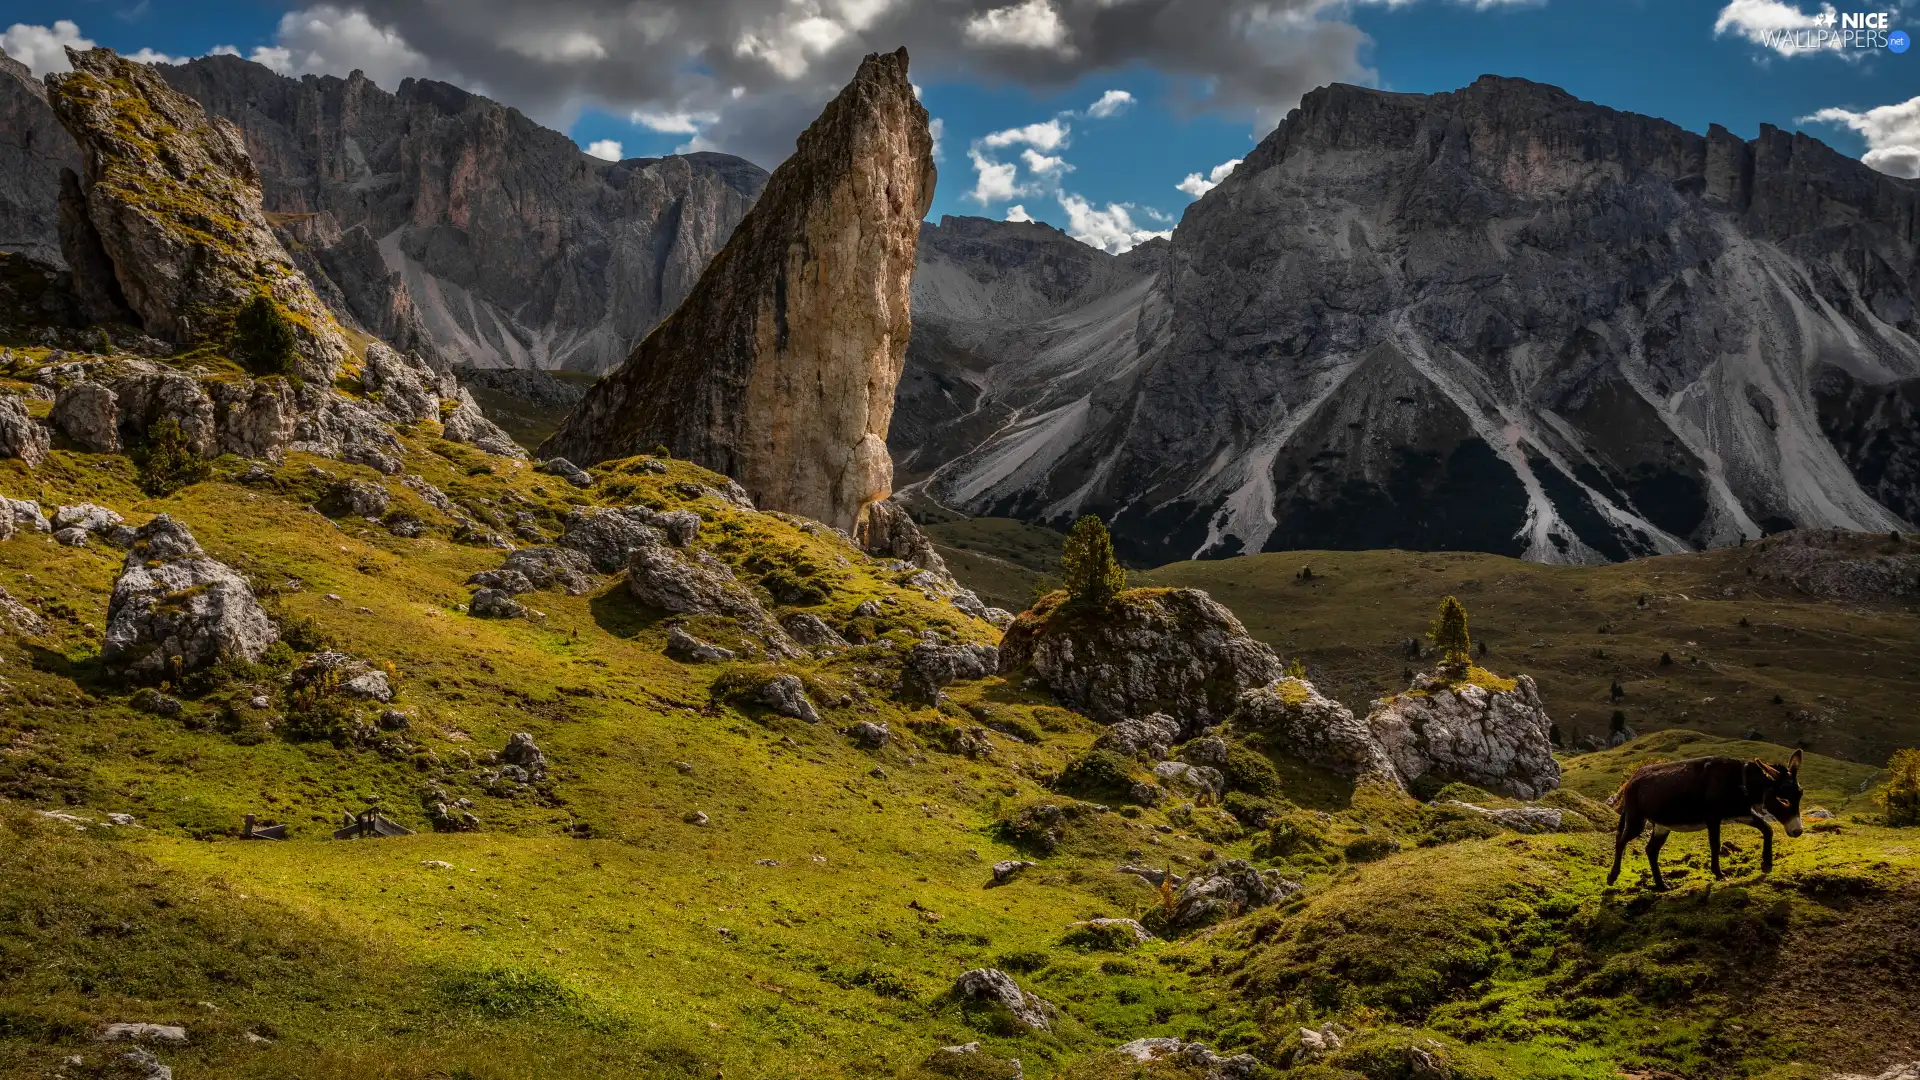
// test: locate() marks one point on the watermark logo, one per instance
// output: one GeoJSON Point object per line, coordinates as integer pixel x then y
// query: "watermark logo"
{"type": "Point", "coordinates": [1832, 29]}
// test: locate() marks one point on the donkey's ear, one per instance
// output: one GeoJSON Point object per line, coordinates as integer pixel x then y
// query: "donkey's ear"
{"type": "Point", "coordinates": [1793, 763]}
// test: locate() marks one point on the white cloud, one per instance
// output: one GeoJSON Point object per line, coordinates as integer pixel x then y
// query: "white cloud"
{"type": "Point", "coordinates": [1041, 164]}
{"type": "Point", "coordinates": [1892, 133]}
{"type": "Point", "coordinates": [1044, 137]}
{"type": "Point", "coordinates": [1782, 28]}
{"type": "Point", "coordinates": [1016, 212]}
{"type": "Point", "coordinates": [672, 123]}
{"type": "Point", "coordinates": [938, 129]}
{"type": "Point", "coordinates": [562, 45]}
{"type": "Point", "coordinates": [1197, 185]}
{"type": "Point", "coordinates": [790, 46]}
{"type": "Point", "coordinates": [149, 56]}
{"type": "Point", "coordinates": [606, 150]}
{"type": "Point", "coordinates": [329, 40]}
{"type": "Point", "coordinates": [1112, 230]}
{"type": "Point", "coordinates": [1111, 103]}
{"type": "Point", "coordinates": [1030, 25]}
{"type": "Point", "coordinates": [44, 48]}
{"type": "Point", "coordinates": [997, 181]}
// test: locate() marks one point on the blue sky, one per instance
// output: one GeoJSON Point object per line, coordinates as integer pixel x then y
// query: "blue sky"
{"type": "Point", "coordinates": [1115, 178]}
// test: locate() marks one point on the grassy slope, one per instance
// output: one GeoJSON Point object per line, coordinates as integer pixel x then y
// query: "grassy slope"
{"type": "Point", "coordinates": [589, 931]}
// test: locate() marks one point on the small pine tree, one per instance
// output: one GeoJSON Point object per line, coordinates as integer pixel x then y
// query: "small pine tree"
{"type": "Point", "coordinates": [1093, 576]}
{"type": "Point", "coordinates": [263, 338]}
{"type": "Point", "coordinates": [168, 462]}
{"type": "Point", "coordinates": [1449, 633]}
{"type": "Point", "coordinates": [1901, 799]}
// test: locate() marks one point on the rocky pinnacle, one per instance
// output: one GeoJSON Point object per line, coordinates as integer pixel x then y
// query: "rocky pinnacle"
{"type": "Point", "coordinates": [779, 369]}
{"type": "Point", "coordinates": [174, 201]}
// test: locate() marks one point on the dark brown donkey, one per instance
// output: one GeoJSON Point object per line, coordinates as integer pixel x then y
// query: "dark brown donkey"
{"type": "Point", "coordinates": [1701, 793]}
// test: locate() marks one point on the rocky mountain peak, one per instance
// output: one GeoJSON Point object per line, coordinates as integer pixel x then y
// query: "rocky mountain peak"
{"type": "Point", "coordinates": [779, 369]}
{"type": "Point", "coordinates": [173, 200]}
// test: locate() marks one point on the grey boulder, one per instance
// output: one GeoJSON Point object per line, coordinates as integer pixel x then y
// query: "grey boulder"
{"type": "Point", "coordinates": [173, 605]}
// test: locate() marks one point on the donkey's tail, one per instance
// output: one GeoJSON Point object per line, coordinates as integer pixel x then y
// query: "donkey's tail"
{"type": "Point", "coordinates": [1614, 800]}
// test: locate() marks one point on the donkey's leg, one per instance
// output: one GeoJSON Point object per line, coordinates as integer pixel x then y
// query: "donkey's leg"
{"type": "Point", "coordinates": [1654, 843]}
{"type": "Point", "coordinates": [1766, 844]}
{"type": "Point", "coordinates": [1713, 845]}
{"type": "Point", "coordinates": [1630, 826]}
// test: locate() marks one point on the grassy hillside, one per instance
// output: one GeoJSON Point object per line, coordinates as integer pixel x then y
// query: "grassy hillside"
{"type": "Point", "coordinates": [812, 927]}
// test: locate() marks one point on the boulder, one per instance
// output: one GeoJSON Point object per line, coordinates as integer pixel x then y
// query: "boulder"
{"type": "Point", "coordinates": [495, 604]}
{"type": "Point", "coordinates": [552, 567]}
{"type": "Point", "coordinates": [1494, 739]}
{"type": "Point", "coordinates": [522, 753]}
{"type": "Point", "coordinates": [465, 423]}
{"type": "Point", "coordinates": [1226, 890]}
{"type": "Point", "coordinates": [1520, 819]}
{"type": "Point", "coordinates": [1191, 779]}
{"type": "Point", "coordinates": [868, 735]}
{"type": "Point", "coordinates": [568, 471]}
{"type": "Point", "coordinates": [780, 365]}
{"type": "Point", "coordinates": [1007, 869]}
{"type": "Point", "coordinates": [18, 618]}
{"type": "Point", "coordinates": [787, 695]}
{"type": "Point", "coordinates": [808, 630]}
{"type": "Point", "coordinates": [889, 532]}
{"type": "Point", "coordinates": [355, 498]}
{"type": "Point", "coordinates": [1175, 651]}
{"type": "Point", "coordinates": [994, 986]}
{"type": "Point", "coordinates": [1191, 1055]}
{"type": "Point", "coordinates": [511, 582]}
{"type": "Point", "coordinates": [21, 436]}
{"type": "Point", "coordinates": [23, 515]}
{"type": "Point", "coordinates": [408, 390]}
{"type": "Point", "coordinates": [608, 537]}
{"type": "Point", "coordinates": [344, 674]}
{"type": "Point", "coordinates": [72, 536]}
{"type": "Point", "coordinates": [1208, 750]}
{"type": "Point", "coordinates": [688, 649]}
{"type": "Point", "coordinates": [1152, 735]}
{"type": "Point", "coordinates": [930, 666]}
{"type": "Point", "coordinates": [1291, 716]}
{"type": "Point", "coordinates": [155, 1033]}
{"type": "Point", "coordinates": [681, 526]}
{"type": "Point", "coordinates": [173, 605]}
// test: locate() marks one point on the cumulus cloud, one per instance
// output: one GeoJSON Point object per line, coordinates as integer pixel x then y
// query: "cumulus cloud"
{"type": "Point", "coordinates": [1030, 25]}
{"type": "Point", "coordinates": [672, 123]}
{"type": "Point", "coordinates": [995, 181]}
{"type": "Point", "coordinates": [1017, 212]}
{"type": "Point", "coordinates": [1041, 164]}
{"type": "Point", "coordinates": [334, 40]}
{"type": "Point", "coordinates": [44, 48]}
{"type": "Point", "coordinates": [1197, 185]}
{"type": "Point", "coordinates": [1111, 103]}
{"type": "Point", "coordinates": [1892, 133]}
{"type": "Point", "coordinates": [1047, 136]}
{"type": "Point", "coordinates": [937, 128]}
{"type": "Point", "coordinates": [1112, 230]}
{"type": "Point", "coordinates": [606, 150]}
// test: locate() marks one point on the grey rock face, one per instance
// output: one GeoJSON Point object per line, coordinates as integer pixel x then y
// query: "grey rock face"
{"type": "Point", "coordinates": [22, 515]}
{"type": "Point", "coordinates": [16, 617]}
{"type": "Point", "coordinates": [1192, 1055]}
{"type": "Point", "coordinates": [868, 735]}
{"type": "Point", "coordinates": [20, 435]}
{"type": "Point", "coordinates": [608, 537]}
{"type": "Point", "coordinates": [1520, 819]}
{"type": "Point", "coordinates": [1492, 739]}
{"type": "Point", "coordinates": [349, 675]}
{"type": "Point", "coordinates": [1191, 779]}
{"type": "Point", "coordinates": [808, 630]}
{"type": "Point", "coordinates": [34, 148]}
{"type": "Point", "coordinates": [452, 224]}
{"type": "Point", "coordinates": [493, 603]}
{"type": "Point", "coordinates": [1178, 652]}
{"type": "Point", "coordinates": [688, 649]}
{"type": "Point", "coordinates": [1497, 319]}
{"type": "Point", "coordinates": [552, 568]}
{"type": "Point", "coordinates": [1819, 563]}
{"type": "Point", "coordinates": [996, 986]}
{"type": "Point", "coordinates": [89, 414]}
{"type": "Point", "coordinates": [173, 605]}
{"type": "Point", "coordinates": [1292, 716]}
{"type": "Point", "coordinates": [568, 471]}
{"type": "Point", "coordinates": [779, 368]}
{"type": "Point", "coordinates": [356, 498]}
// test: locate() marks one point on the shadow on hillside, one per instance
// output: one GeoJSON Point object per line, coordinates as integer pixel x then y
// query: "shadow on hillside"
{"type": "Point", "coordinates": [619, 614]}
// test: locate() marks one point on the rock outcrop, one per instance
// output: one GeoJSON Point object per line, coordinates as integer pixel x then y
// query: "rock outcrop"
{"type": "Point", "coordinates": [780, 367]}
{"type": "Point", "coordinates": [174, 201]}
{"type": "Point", "coordinates": [20, 435]}
{"type": "Point", "coordinates": [1175, 651]}
{"type": "Point", "coordinates": [995, 987]}
{"type": "Point", "coordinates": [1496, 319]}
{"type": "Point", "coordinates": [34, 149]}
{"type": "Point", "coordinates": [174, 609]}
{"type": "Point", "coordinates": [1497, 739]}
{"type": "Point", "coordinates": [1292, 717]}
{"type": "Point", "coordinates": [1227, 890]}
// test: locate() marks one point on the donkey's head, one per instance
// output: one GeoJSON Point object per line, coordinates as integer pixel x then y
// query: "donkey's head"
{"type": "Point", "coordinates": [1775, 788]}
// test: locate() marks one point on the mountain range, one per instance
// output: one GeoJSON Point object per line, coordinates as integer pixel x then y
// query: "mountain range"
{"type": "Point", "coordinates": [1497, 319]}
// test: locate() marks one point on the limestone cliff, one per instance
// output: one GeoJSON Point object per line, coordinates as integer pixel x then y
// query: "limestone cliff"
{"type": "Point", "coordinates": [33, 150]}
{"type": "Point", "coordinates": [173, 200]}
{"type": "Point", "coordinates": [780, 367]}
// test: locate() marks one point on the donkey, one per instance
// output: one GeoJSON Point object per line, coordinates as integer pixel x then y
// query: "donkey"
{"type": "Point", "coordinates": [1701, 793]}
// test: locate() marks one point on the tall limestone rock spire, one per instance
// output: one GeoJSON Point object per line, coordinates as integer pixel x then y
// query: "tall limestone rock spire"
{"type": "Point", "coordinates": [779, 369]}
{"type": "Point", "coordinates": [174, 201]}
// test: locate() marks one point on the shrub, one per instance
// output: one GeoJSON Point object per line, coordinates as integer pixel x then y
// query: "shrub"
{"type": "Point", "coordinates": [1449, 632]}
{"type": "Point", "coordinates": [1902, 796]}
{"type": "Point", "coordinates": [1371, 848]}
{"type": "Point", "coordinates": [1250, 772]}
{"type": "Point", "coordinates": [509, 992]}
{"type": "Point", "coordinates": [168, 461]}
{"type": "Point", "coordinates": [1093, 576]}
{"type": "Point", "coordinates": [263, 338]}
